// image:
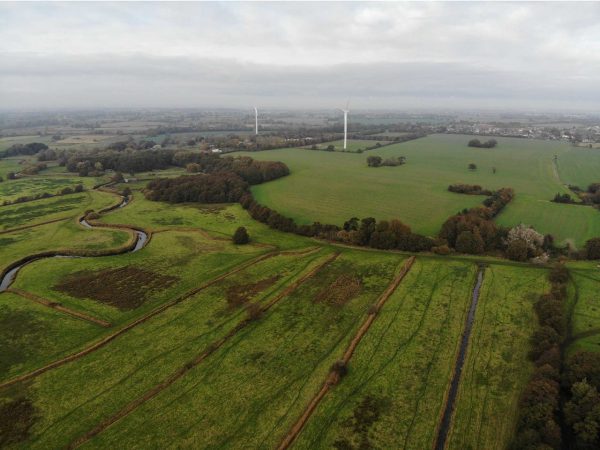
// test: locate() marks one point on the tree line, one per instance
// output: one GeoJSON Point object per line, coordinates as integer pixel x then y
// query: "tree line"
{"type": "Point", "coordinates": [23, 149]}
{"type": "Point", "coordinates": [560, 406]}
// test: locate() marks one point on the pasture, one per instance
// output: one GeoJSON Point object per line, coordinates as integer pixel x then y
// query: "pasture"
{"type": "Point", "coordinates": [496, 367]}
{"type": "Point", "coordinates": [196, 342]}
{"type": "Point", "coordinates": [331, 187]}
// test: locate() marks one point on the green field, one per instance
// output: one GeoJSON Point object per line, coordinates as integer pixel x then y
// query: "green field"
{"type": "Point", "coordinates": [332, 187]}
{"type": "Point", "coordinates": [585, 320]}
{"type": "Point", "coordinates": [394, 393]}
{"type": "Point", "coordinates": [195, 342]}
{"type": "Point", "coordinates": [496, 367]}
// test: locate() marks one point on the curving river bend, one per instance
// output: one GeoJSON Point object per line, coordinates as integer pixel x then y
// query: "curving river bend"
{"type": "Point", "coordinates": [141, 240]}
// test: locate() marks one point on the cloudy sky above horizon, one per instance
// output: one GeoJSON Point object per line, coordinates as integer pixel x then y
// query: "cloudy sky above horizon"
{"type": "Point", "coordinates": [528, 56]}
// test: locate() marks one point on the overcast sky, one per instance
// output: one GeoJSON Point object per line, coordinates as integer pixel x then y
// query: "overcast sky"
{"type": "Point", "coordinates": [532, 56]}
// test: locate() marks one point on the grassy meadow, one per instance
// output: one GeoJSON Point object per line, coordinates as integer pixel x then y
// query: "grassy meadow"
{"type": "Point", "coordinates": [496, 368]}
{"type": "Point", "coordinates": [394, 392]}
{"type": "Point", "coordinates": [332, 187]}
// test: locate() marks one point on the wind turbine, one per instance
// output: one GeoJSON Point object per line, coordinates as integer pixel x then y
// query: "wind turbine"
{"type": "Point", "coordinates": [256, 120]}
{"type": "Point", "coordinates": [346, 111]}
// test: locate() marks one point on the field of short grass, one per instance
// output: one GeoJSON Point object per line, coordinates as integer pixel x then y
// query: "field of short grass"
{"type": "Point", "coordinates": [496, 368]}
{"type": "Point", "coordinates": [585, 320]}
{"type": "Point", "coordinates": [73, 398]}
{"type": "Point", "coordinates": [219, 220]}
{"type": "Point", "coordinates": [42, 183]}
{"type": "Point", "coordinates": [332, 187]}
{"type": "Point", "coordinates": [394, 392]}
{"type": "Point", "coordinates": [249, 392]}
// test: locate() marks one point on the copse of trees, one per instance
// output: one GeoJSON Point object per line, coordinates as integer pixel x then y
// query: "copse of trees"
{"type": "Point", "coordinates": [491, 143]}
{"type": "Point", "coordinates": [469, 189]}
{"type": "Point", "coordinates": [472, 166]}
{"type": "Point", "coordinates": [377, 161]}
{"type": "Point", "coordinates": [23, 149]}
{"type": "Point", "coordinates": [225, 187]}
{"type": "Point", "coordinates": [474, 231]}
{"type": "Point", "coordinates": [563, 198]}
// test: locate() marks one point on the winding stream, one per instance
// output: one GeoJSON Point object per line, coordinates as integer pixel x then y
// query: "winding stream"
{"type": "Point", "coordinates": [460, 361]}
{"type": "Point", "coordinates": [141, 240]}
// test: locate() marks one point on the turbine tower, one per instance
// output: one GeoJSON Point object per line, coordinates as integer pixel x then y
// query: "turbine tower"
{"type": "Point", "coordinates": [256, 120]}
{"type": "Point", "coordinates": [346, 111]}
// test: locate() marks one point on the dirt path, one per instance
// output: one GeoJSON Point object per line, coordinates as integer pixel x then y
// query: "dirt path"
{"type": "Point", "coordinates": [58, 307]}
{"type": "Point", "coordinates": [101, 343]}
{"type": "Point", "coordinates": [333, 377]}
{"type": "Point", "coordinates": [211, 348]}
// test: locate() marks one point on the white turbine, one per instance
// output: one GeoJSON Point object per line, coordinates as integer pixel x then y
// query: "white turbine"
{"type": "Point", "coordinates": [345, 111]}
{"type": "Point", "coordinates": [256, 120]}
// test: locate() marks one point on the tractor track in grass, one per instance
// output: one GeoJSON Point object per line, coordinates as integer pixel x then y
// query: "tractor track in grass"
{"type": "Point", "coordinates": [333, 376]}
{"type": "Point", "coordinates": [59, 307]}
{"type": "Point", "coordinates": [101, 343]}
{"type": "Point", "coordinates": [211, 348]}
{"type": "Point", "coordinates": [430, 364]}
{"type": "Point", "coordinates": [223, 444]}
{"type": "Point", "coordinates": [148, 362]}
{"type": "Point", "coordinates": [366, 378]}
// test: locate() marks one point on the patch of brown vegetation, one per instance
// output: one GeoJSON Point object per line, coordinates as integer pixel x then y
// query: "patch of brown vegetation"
{"type": "Point", "coordinates": [125, 288]}
{"type": "Point", "coordinates": [240, 294]}
{"type": "Point", "coordinates": [16, 419]}
{"type": "Point", "coordinates": [342, 290]}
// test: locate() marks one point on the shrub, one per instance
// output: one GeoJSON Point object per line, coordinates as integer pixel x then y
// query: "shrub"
{"type": "Point", "coordinates": [340, 368]}
{"type": "Point", "coordinates": [241, 237]}
{"type": "Point", "coordinates": [592, 248]}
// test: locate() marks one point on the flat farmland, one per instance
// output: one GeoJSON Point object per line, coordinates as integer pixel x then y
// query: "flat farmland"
{"type": "Point", "coordinates": [585, 319]}
{"type": "Point", "coordinates": [394, 392]}
{"type": "Point", "coordinates": [332, 187]}
{"type": "Point", "coordinates": [496, 368]}
{"type": "Point", "coordinates": [268, 371]}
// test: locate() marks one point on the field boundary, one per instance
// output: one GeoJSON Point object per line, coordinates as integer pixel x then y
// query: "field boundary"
{"type": "Point", "coordinates": [210, 349]}
{"type": "Point", "coordinates": [59, 307]}
{"type": "Point", "coordinates": [334, 377]}
{"type": "Point", "coordinates": [446, 419]}
{"type": "Point", "coordinates": [25, 227]}
{"type": "Point", "coordinates": [101, 343]}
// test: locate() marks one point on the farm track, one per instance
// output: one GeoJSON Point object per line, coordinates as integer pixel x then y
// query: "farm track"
{"type": "Point", "coordinates": [101, 343]}
{"type": "Point", "coordinates": [367, 378]}
{"type": "Point", "coordinates": [58, 307]}
{"type": "Point", "coordinates": [333, 377]}
{"type": "Point", "coordinates": [211, 348]}
{"type": "Point", "coordinates": [26, 227]}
